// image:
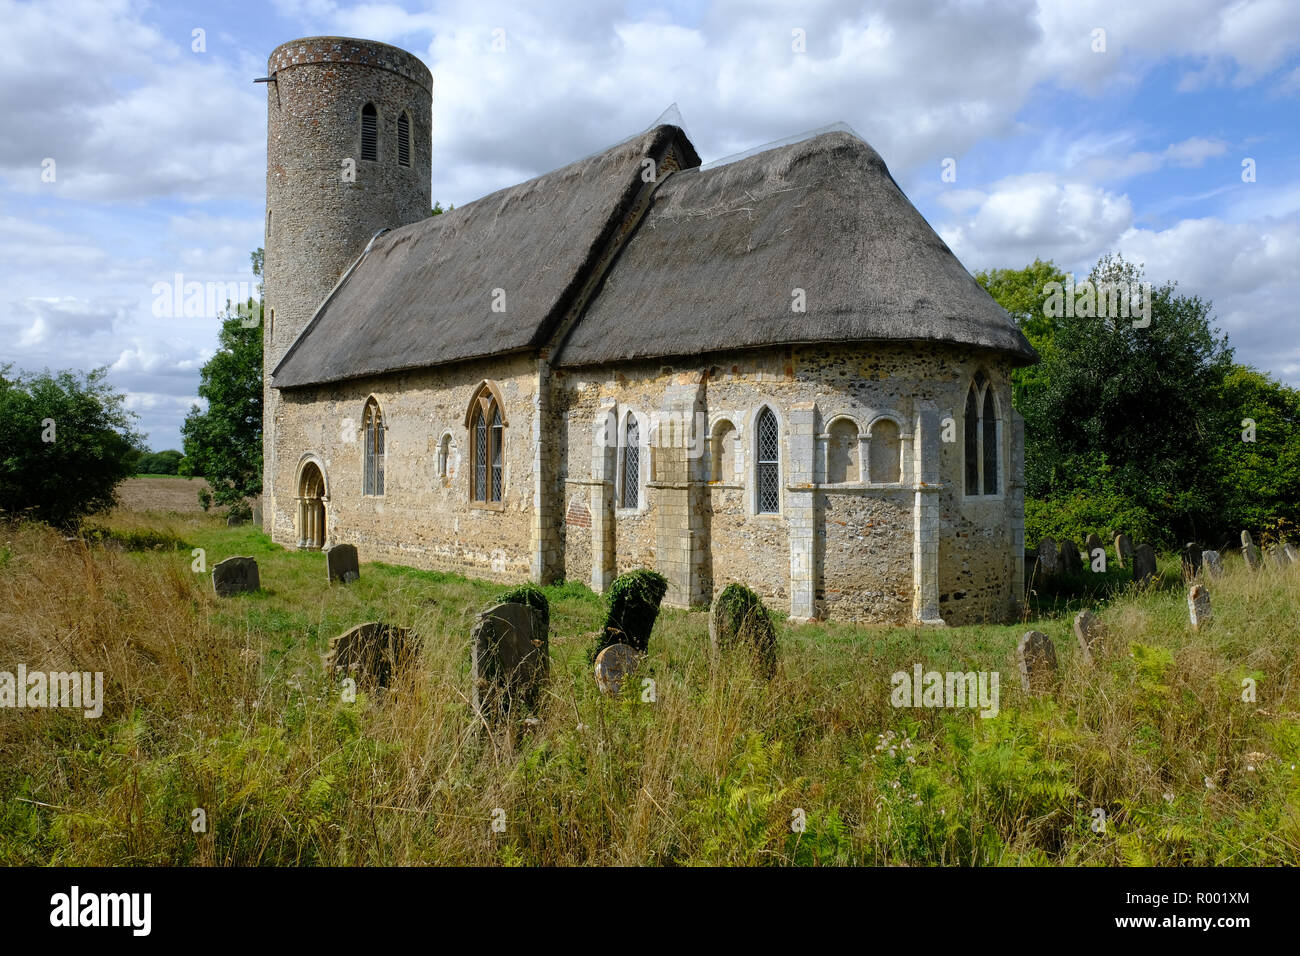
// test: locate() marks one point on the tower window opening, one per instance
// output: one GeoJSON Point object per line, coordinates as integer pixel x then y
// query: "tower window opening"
{"type": "Point", "coordinates": [403, 140]}
{"type": "Point", "coordinates": [369, 132]}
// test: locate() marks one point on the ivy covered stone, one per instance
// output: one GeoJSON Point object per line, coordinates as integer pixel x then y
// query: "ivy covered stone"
{"type": "Point", "coordinates": [634, 600]}
{"type": "Point", "coordinates": [739, 617]}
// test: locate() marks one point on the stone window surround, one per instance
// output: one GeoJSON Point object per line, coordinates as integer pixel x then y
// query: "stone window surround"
{"type": "Point", "coordinates": [738, 464]}
{"type": "Point", "coordinates": [485, 397]}
{"type": "Point", "coordinates": [372, 401]}
{"type": "Point", "coordinates": [445, 453]}
{"type": "Point", "coordinates": [643, 460]}
{"type": "Point", "coordinates": [751, 455]}
{"type": "Point", "coordinates": [379, 133]}
{"type": "Point", "coordinates": [994, 387]}
{"type": "Point", "coordinates": [311, 458]}
{"type": "Point", "coordinates": [864, 482]}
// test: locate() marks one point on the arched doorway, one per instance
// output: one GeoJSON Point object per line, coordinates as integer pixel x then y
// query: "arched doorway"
{"type": "Point", "coordinates": [311, 507]}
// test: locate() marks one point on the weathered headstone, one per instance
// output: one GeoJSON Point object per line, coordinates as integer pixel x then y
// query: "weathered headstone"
{"type": "Point", "coordinates": [1036, 657]}
{"type": "Point", "coordinates": [634, 600]}
{"type": "Point", "coordinates": [1049, 561]}
{"type": "Point", "coordinates": [1212, 562]}
{"type": "Point", "coordinates": [510, 660]}
{"type": "Point", "coordinates": [257, 514]}
{"type": "Point", "coordinates": [236, 575]}
{"type": "Point", "coordinates": [1278, 557]}
{"type": "Point", "coordinates": [1251, 553]}
{"type": "Point", "coordinates": [1123, 551]}
{"type": "Point", "coordinates": [1071, 563]}
{"type": "Point", "coordinates": [1144, 564]}
{"type": "Point", "coordinates": [1246, 540]}
{"type": "Point", "coordinates": [1191, 559]}
{"type": "Point", "coordinates": [1088, 632]}
{"type": "Point", "coordinates": [738, 615]}
{"type": "Point", "coordinates": [1292, 555]}
{"type": "Point", "coordinates": [1198, 606]}
{"type": "Point", "coordinates": [1091, 545]}
{"type": "Point", "coordinates": [341, 563]}
{"type": "Point", "coordinates": [235, 519]}
{"type": "Point", "coordinates": [372, 653]}
{"type": "Point", "coordinates": [614, 665]}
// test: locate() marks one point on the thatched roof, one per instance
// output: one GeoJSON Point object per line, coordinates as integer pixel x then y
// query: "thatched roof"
{"type": "Point", "coordinates": [713, 264]}
{"type": "Point", "coordinates": [423, 294]}
{"type": "Point", "coordinates": [710, 267]}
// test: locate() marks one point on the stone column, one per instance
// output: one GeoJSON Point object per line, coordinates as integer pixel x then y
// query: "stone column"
{"type": "Point", "coordinates": [1016, 507]}
{"type": "Point", "coordinates": [301, 524]}
{"type": "Point", "coordinates": [603, 434]}
{"type": "Point", "coordinates": [680, 483]}
{"type": "Point", "coordinates": [547, 494]}
{"type": "Point", "coordinates": [925, 514]}
{"type": "Point", "coordinates": [800, 469]}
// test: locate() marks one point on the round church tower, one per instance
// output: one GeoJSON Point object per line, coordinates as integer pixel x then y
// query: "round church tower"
{"type": "Point", "coordinates": [348, 144]}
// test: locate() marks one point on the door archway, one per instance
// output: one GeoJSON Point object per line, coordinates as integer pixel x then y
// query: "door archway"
{"type": "Point", "coordinates": [311, 507]}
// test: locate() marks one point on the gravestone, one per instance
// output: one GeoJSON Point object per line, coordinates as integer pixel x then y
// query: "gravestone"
{"type": "Point", "coordinates": [1092, 544]}
{"type": "Point", "coordinates": [1250, 553]}
{"type": "Point", "coordinates": [510, 660]}
{"type": "Point", "coordinates": [257, 514]}
{"type": "Point", "coordinates": [614, 665]}
{"type": "Point", "coordinates": [1191, 559]}
{"type": "Point", "coordinates": [738, 615]}
{"type": "Point", "coordinates": [341, 563]}
{"type": "Point", "coordinates": [1213, 563]}
{"type": "Point", "coordinates": [1123, 551]}
{"type": "Point", "coordinates": [1036, 657]}
{"type": "Point", "coordinates": [1278, 558]}
{"type": "Point", "coordinates": [1292, 555]}
{"type": "Point", "coordinates": [634, 600]}
{"type": "Point", "coordinates": [1144, 564]}
{"type": "Point", "coordinates": [235, 519]}
{"type": "Point", "coordinates": [1071, 563]}
{"type": "Point", "coordinates": [1246, 540]}
{"type": "Point", "coordinates": [1049, 561]}
{"type": "Point", "coordinates": [371, 653]}
{"type": "Point", "coordinates": [236, 575]}
{"type": "Point", "coordinates": [1088, 633]}
{"type": "Point", "coordinates": [1198, 606]}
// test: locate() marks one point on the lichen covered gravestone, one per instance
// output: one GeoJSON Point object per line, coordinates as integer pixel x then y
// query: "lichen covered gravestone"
{"type": "Point", "coordinates": [372, 653]}
{"type": "Point", "coordinates": [510, 660]}
{"type": "Point", "coordinates": [1088, 632]}
{"type": "Point", "coordinates": [634, 600]}
{"type": "Point", "coordinates": [1198, 606]}
{"type": "Point", "coordinates": [1048, 558]}
{"type": "Point", "coordinates": [1091, 545]}
{"type": "Point", "coordinates": [1036, 657]}
{"type": "Point", "coordinates": [1144, 564]}
{"type": "Point", "coordinates": [341, 563]}
{"type": "Point", "coordinates": [738, 616]}
{"type": "Point", "coordinates": [1071, 563]}
{"type": "Point", "coordinates": [614, 665]}
{"type": "Point", "coordinates": [1123, 551]}
{"type": "Point", "coordinates": [1278, 557]}
{"type": "Point", "coordinates": [237, 575]}
{"type": "Point", "coordinates": [1249, 552]}
{"type": "Point", "coordinates": [1213, 563]}
{"type": "Point", "coordinates": [1292, 555]}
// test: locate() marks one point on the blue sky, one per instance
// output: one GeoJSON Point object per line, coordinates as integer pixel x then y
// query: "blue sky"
{"type": "Point", "coordinates": [1062, 150]}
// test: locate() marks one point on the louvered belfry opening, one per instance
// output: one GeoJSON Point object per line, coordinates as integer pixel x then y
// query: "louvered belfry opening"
{"type": "Point", "coordinates": [403, 140]}
{"type": "Point", "coordinates": [369, 132]}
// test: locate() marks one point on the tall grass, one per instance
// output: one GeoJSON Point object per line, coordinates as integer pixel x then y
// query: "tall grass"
{"type": "Point", "coordinates": [223, 706]}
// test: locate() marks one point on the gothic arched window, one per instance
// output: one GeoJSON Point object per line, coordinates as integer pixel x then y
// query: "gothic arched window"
{"type": "Point", "coordinates": [768, 464]}
{"type": "Point", "coordinates": [487, 442]}
{"type": "Point", "coordinates": [981, 438]}
{"type": "Point", "coordinates": [372, 432]}
{"type": "Point", "coordinates": [403, 140]}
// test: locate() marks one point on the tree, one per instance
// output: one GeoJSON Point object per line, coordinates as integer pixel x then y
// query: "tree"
{"type": "Point", "coordinates": [1024, 294]}
{"type": "Point", "coordinates": [66, 442]}
{"type": "Point", "coordinates": [224, 443]}
{"type": "Point", "coordinates": [159, 463]}
{"type": "Point", "coordinates": [1259, 456]}
{"type": "Point", "coordinates": [1132, 413]}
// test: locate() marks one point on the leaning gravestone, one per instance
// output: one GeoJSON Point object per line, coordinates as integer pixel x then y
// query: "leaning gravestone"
{"type": "Point", "coordinates": [1292, 555]}
{"type": "Point", "coordinates": [1036, 657]}
{"type": "Point", "coordinates": [738, 616]}
{"type": "Point", "coordinates": [1251, 553]}
{"type": "Point", "coordinates": [1246, 540]}
{"type": "Point", "coordinates": [1071, 563]}
{"type": "Point", "coordinates": [1088, 632]}
{"type": "Point", "coordinates": [1191, 559]}
{"type": "Point", "coordinates": [1144, 564]}
{"type": "Point", "coordinates": [1198, 606]}
{"type": "Point", "coordinates": [341, 563]}
{"type": "Point", "coordinates": [1213, 563]}
{"type": "Point", "coordinates": [1123, 551]}
{"type": "Point", "coordinates": [510, 660]}
{"type": "Point", "coordinates": [372, 653]}
{"type": "Point", "coordinates": [235, 576]}
{"type": "Point", "coordinates": [1049, 561]}
{"type": "Point", "coordinates": [614, 665]}
{"type": "Point", "coordinates": [634, 600]}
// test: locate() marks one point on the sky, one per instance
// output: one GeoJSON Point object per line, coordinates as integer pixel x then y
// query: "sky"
{"type": "Point", "coordinates": [1166, 130]}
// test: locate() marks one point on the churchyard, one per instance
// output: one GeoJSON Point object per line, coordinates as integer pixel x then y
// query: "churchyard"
{"type": "Point", "coordinates": [312, 709]}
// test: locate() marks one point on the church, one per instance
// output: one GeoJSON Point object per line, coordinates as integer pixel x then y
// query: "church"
{"type": "Point", "coordinates": [768, 370]}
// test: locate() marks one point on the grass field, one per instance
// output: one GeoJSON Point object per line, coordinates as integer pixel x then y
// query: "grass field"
{"type": "Point", "coordinates": [223, 707]}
